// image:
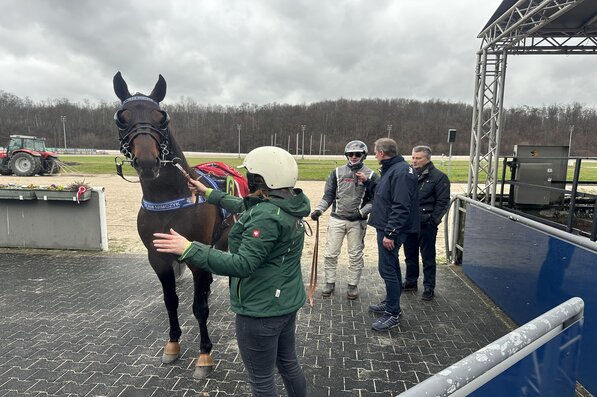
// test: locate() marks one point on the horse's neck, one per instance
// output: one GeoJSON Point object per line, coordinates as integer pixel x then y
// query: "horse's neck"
{"type": "Point", "coordinates": [170, 185]}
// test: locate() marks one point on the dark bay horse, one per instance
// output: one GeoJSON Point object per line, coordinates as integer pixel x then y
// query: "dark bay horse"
{"type": "Point", "coordinates": [149, 145]}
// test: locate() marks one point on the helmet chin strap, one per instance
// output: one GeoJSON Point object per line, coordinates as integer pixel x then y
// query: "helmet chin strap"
{"type": "Point", "coordinates": [253, 184]}
{"type": "Point", "coordinates": [355, 166]}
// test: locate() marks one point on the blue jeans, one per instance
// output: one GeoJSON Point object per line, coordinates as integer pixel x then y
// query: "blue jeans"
{"type": "Point", "coordinates": [425, 241]}
{"type": "Point", "coordinates": [389, 270]}
{"type": "Point", "coordinates": [265, 343]}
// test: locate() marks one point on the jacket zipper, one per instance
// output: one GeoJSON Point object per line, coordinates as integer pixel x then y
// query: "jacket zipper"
{"type": "Point", "coordinates": [238, 291]}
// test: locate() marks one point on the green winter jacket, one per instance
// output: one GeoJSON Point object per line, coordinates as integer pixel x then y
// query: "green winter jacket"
{"type": "Point", "coordinates": [264, 262]}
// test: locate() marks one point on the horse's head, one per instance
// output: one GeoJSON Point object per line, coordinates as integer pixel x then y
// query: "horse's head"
{"type": "Point", "coordinates": [143, 127]}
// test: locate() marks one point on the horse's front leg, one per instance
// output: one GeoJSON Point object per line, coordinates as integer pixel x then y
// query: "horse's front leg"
{"type": "Point", "coordinates": [162, 265]}
{"type": "Point", "coordinates": [202, 281]}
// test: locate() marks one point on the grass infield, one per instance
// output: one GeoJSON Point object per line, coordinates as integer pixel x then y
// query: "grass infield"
{"type": "Point", "coordinates": [309, 169]}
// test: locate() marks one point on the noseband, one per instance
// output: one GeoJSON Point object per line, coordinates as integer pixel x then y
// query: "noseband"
{"type": "Point", "coordinates": [128, 133]}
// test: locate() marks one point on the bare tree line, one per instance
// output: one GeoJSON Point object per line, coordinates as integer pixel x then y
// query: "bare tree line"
{"type": "Point", "coordinates": [215, 128]}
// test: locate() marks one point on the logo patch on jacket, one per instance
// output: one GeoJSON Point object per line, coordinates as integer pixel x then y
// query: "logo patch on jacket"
{"type": "Point", "coordinates": [256, 233]}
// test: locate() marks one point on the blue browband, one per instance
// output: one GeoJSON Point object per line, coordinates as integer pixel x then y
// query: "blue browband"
{"type": "Point", "coordinates": [139, 98]}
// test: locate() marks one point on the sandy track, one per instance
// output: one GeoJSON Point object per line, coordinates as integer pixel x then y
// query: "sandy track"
{"type": "Point", "coordinates": [123, 200]}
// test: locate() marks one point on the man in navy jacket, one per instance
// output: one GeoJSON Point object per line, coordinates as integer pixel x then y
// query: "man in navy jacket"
{"type": "Point", "coordinates": [395, 216]}
{"type": "Point", "coordinates": [434, 199]}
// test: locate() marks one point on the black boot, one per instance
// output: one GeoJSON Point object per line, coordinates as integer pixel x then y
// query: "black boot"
{"type": "Point", "coordinates": [328, 289]}
{"type": "Point", "coordinates": [353, 292]}
{"type": "Point", "coordinates": [428, 294]}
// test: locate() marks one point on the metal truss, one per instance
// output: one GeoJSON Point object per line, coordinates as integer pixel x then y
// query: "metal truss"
{"type": "Point", "coordinates": [574, 43]}
{"type": "Point", "coordinates": [486, 124]}
{"type": "Point", "coordinates": [525, 28]}
{"type": "Point", "coordinates": [523, 20]}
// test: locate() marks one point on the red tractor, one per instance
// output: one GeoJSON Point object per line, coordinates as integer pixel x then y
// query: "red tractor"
{"type": "Point", "coordinates": [27, 156]}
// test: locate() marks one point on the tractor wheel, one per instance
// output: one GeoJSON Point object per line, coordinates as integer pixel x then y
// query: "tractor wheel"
{"type": "Point", "coordinates": [24, 164]}
{"type": "Point", "coordinates": [4, 167]}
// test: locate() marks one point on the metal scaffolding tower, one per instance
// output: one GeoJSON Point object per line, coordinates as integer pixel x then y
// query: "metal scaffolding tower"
{"type": "Point", "coordinates": [518, 27]}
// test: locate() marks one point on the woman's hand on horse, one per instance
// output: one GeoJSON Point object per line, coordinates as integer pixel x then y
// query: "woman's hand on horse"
{"type": "Point", "coordinates": [171, 243]}
{"type": "Point", "coordinates": [195, 185]}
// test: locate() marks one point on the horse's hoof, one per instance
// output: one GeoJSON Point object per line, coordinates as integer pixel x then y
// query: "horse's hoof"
{"type": "Point", "coordinates": [169, 358]}
{"type": "Point", "coordinates": [203, 366]}
{"type": "Point", "coordinates": [202, 372]}
{"type": "Point", "coordinates": [171, 352]}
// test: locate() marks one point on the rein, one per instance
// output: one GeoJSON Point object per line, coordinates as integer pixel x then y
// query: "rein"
{"type": "Point", "coordinates": [119, 168]}
{"type": "Point", "coordinates": [120, 161]}
{"type": "Point", "coordinates": [313, 278]}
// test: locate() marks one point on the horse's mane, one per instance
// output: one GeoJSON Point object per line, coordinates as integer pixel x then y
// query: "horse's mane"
{"type": "Point", "coordinates": [176, 149]}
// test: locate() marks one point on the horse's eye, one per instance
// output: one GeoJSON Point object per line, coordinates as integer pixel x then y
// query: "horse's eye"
{"type": "Point", "coordinates": [120, 121]}
{"type": "Point", "coordinates": [164, 120]}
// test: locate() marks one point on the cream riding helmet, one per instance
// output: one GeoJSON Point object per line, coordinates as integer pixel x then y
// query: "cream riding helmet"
{"type": "Point", "coordinates": [276, 166]}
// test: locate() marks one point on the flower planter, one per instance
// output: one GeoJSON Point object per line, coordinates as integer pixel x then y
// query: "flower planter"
{"type": "Point", "coordinates": [17, 194]}
{"type": "Point", "coordinates": [45, 193]}
{"type": "Point", "coordinates": [61, 195]}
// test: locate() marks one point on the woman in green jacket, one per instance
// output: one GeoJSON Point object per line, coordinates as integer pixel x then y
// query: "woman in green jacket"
{"type": "Point", "coordinates": [266, 284]}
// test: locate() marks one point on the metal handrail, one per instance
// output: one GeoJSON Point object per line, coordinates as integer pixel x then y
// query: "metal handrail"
{"type": "Point", "coordinates": [477, 369]}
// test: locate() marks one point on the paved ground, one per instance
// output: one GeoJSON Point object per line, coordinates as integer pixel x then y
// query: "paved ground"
{"type": "Point", "coordinates": [93, 325]}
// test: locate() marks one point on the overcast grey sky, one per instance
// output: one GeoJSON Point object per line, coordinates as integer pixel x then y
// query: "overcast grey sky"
{"type": "Point", "coordinates": [264, 51]}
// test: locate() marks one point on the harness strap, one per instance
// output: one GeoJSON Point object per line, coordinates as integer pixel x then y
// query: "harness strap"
{"type": "Point", "coordinates": [213, 184]}
{"type": "Point", "coordinates": [168, 205]}
{"type": "Point", "coordinates": [181, 202]}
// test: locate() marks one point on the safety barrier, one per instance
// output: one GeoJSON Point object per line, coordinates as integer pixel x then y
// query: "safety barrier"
{"type": "Point", "coordinates": [538, 359]}
{"type": "Point", "coordinates": [526, 268]}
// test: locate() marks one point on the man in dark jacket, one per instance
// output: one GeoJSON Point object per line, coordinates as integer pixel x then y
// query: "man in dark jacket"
{"type": "Point", "coordinates": [395, 216]}
{"type": "Point", "coordinates": [434, 199]}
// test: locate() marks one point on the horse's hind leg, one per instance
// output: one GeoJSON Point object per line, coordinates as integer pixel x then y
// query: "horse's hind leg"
{"type": "Point", "coordinates": [165, 274]}
{"type": "Point", "coordinates": [204, 364]}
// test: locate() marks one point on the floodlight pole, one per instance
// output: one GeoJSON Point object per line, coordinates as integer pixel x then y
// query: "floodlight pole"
{"type": "Point", "coordinates": [238, 127]}
{"type": "Point", "coordinates": [570, 140]}
{"type": "Point", "coordinates": [389, 129]}
{"type": "Point", "coordinates": [303, 144]}
{"type": "Point", "coordinates": [451, 140]}
{"type": "Point", "coordinates": [63, 118]}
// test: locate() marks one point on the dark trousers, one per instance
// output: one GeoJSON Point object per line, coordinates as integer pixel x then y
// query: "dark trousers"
{"type": "Point", "coordinates": [265, 343]}
{"type": "Point", "coordinates": [389, 270]}
{"type": "Point", "coordinates": [425, 243]}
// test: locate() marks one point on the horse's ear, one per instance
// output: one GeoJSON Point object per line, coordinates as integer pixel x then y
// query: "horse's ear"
{"type": "Point", "coordinates": [159, 91]}
{"type": "Point", "coordinates": [120, 87]}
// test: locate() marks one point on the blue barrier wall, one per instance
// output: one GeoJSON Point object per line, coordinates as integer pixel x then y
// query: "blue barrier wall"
{"type": "Point", "coordinates": [526, 272]}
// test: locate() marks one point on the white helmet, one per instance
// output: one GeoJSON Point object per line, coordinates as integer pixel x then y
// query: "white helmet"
{"type": "Point", "coordinates": [276, 166]}
{"type": "Point", "coordinates": [356, 147]}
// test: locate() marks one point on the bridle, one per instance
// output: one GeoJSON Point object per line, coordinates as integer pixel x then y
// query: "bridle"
{"type": "Point", "coordinates": [128, 133]}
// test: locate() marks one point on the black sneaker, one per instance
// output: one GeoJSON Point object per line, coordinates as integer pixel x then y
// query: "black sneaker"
{"type": "Point", "coordinates": [409, 287]}
{"type": "Point", "coordinates": [386, 322]}
{"type": "Point", "coordinates": [379, 308]}
{"type": "Point", "coordinates": [428, 294]}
